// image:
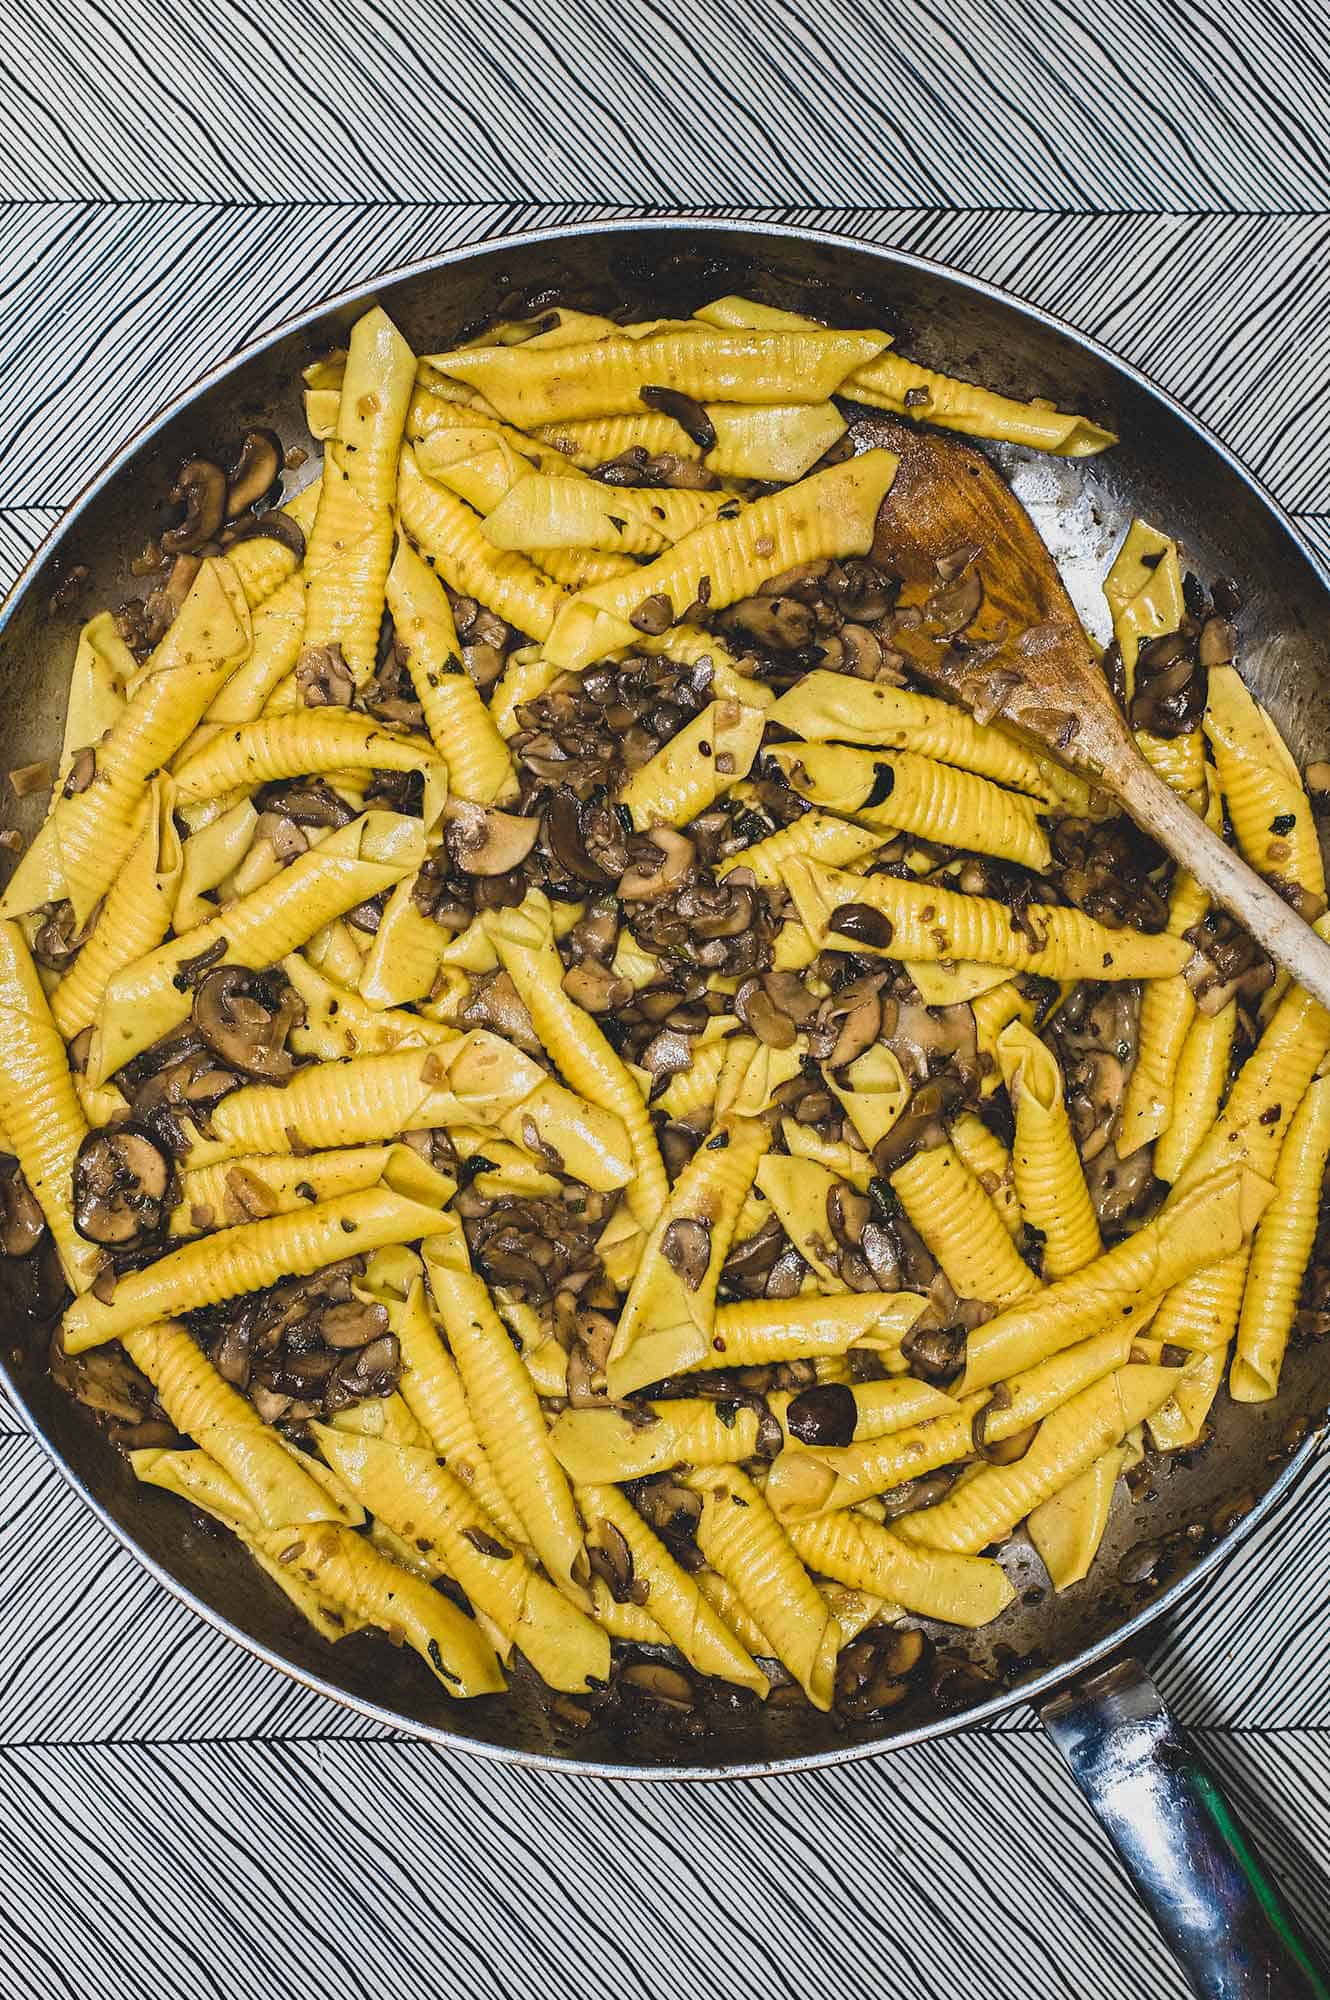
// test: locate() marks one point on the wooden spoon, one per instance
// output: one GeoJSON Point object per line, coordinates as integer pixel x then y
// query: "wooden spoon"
{"type": "Point", "coordinates": [1026, 659]}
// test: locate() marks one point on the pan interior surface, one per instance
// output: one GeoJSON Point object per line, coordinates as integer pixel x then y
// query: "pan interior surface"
{"type": "Point", "coordinates": [1164, 468]}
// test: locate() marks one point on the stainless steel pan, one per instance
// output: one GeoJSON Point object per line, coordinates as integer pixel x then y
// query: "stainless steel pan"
{"type": "Point", "coordinates": [1165, 1820]}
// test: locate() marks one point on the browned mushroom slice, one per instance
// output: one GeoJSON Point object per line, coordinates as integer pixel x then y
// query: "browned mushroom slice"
{"type": "Point", "coordinates": [686, 1248]}
{"type": "Point", "coordinates": [324, 679]}
{"type": "Point", "coordinates": [254, 473]}
{"type": "Point", "coordinates": [122, 1186]}
{"type": "Point", "coordinates": [686, 412]}
{"type": "Point", "coordinates": [58, 939]}
{"type": "Point", "coordinates": [592, 985]}
{"type": "Point", "coordinates": [484, 841]}
{"type": "Point", "coordinates": [564, 831]}
{"type": "Point", "coordinates": [244, 1017]}
{"type": "Point", "coordinates": [201, 490]}
{"type": "Point", "coordinates": [644, 880]}
{"type": "Point", "coordinates": [758, 1011]}
{"type": "Point", "coordinates": [826, 1415]}
{"type": "Point", "coordinates": [21, 1219]}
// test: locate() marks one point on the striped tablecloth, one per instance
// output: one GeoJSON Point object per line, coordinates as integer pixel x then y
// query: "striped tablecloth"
{"type": "Point", "coordinates": [178, 1820]}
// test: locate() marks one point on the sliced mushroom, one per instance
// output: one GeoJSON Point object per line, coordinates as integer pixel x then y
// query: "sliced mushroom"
{"type": "Point", "coordinates": [758, 1011]}
{"type": "Point", "coordinates": [245, 1017]}
{"type": "Point", "coordinates": [826, 1415]}
{"type": "Point", "coordinates": [201, 490]}
{"type": "Point", "coordinates": [21, 1218]}
{"type": "Point", "coordinates": [58, 939]}
{"type": "Point", "coordinates": [324, 679]}
{"type": "Point", "coordinates": [254, 473]}
{"type": "Point", "coordinates": [563, 826]}
{"type": "Point", "coordinates": [483, 841]}
{"type": "Point", "coordinates": [353, 1323]}
{"type": "Point", "coordinates": [642, 882]}
{"type": "Point", "coordinates": [686, 412]}
{"type": "Point", "coordinates": [495, 1003]}
{"type": "Point", "coordinates": [686, 1248]}
{"type": "Point", "coordinates": [593, 986]}
{"type": "Point", "coordinates": [122, 1186]}
{"type": "Point", "coordinates": [655, 614]}
{"type": "Point", "coordinates": [862, 924]}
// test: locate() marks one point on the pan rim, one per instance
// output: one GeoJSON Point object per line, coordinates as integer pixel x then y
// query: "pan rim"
{"type": "Point", "coordinates": [407, 1727]}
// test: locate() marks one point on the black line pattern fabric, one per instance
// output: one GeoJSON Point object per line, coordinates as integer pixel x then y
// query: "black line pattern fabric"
{"type": "Point", "coordinates": [177, 1819]}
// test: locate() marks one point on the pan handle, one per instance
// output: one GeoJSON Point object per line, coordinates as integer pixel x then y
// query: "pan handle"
{"type": "Point", "coordinates": [1220, 1912]}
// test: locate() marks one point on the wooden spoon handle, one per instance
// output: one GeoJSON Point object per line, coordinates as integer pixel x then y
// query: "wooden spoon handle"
{"type": "Point", "coordinates": [1291, 942]}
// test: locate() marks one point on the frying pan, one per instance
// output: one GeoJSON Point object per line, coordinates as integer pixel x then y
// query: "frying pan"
{"type": "Point", "coordinates": [1069, 1655]}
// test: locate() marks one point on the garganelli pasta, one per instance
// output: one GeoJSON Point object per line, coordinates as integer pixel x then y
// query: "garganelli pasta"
{"type": "Point", "coordinates": [588, 1117]}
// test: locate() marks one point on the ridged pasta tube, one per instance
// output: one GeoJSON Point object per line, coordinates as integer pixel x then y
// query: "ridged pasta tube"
{"type": "Point", "coordinates": [523, 937]}
{"type": "Point", "coordinates": [959, 1590]}
{"type": "Point", "coordinates": [607, 377]}
{"type": "Point", "coordinates": [1283, 1244]}
{"type": "Point", "coordinates": [1266, 799]}
{"type": "Point", "coordinates": [146, 999]}
{"type": "Point", "coordinates": [775, 441]}
{"type": "Point", "coordinates": [507, 1412]}
{"type": "Point", "coordinates": [460, 726]}
{"type": "Point", "coordinates": [430, 1385]}
{"type": "Point", "coordinates": [198, 1479]}
{"type": "Point", "coordinates": [962, 1227]}
{"type": "Point", "coordinates": [271, 1475]}
{"type": "Point", "coordinates": [447, 531]}
{"type": "Point", "coordinates": [1197, 1086]}
{"type": "Point", "coordinates": [826, 707]}
{"type": "Point", "coordinates": [339, 1023]}
{"type": "Point", "coordinates": [759, 1332]}
{"type": "Point", "coordinates": [1267, 1089]}
{"type": "Point", "coordinates": [278, 627]}
{"type": "Point", "coordinates": [1050, 1181]}
{"type": "Point", "coordinates": [245, 1190]}
{"type": "Point", "coordinates": [561, 512]}
{"type": "Point", "coordinates": [351, 1571]}
{"type": "Point", "coordinates": [432, 1511]}
{"type": "Point", "coordinates": [810, 1481]}
{"type": "Point", "coordinates": [990, 1163]}
{"type": "Point", "coordinates": [815, 836]}
{"type": "Point", "coordinates": [610, 1446]}
{"type": "Point", "coordinates": [251, 754]}
{"type": "Point", "coordinates": [891, 382]}
{"type": "Point", "coordinates": [931, 924]}
{"type": "Point", "coordinates": [919, 795]}
{"type": "Point", "coordinates": [474, 1079]}
{"type": "Point", "coordinates": [674, 1601]}
{"type": "Point", "coordinates": [1168, 1008]}
{"type": "Point", "coordinates": [1208, 1223]}
{"type": "Point", "coordinates": [350, 543]}
{"type": "Point", "coordinates": [245, 1259]}
{"type": "Point", "coordinates": [84, 842]}
{"type": "Point", "coordinates": [695, 767]}
{"type": "Point", "coordinates": [829, 513]}
{"type": "Point", "coordinates": [134, 918]}
{"type": "Point", "coordinates": [987, 1507]}
{"type": "Point", "coordinates": [40, 1112]}
{"type": "Point", "coordinates": [742, 1540]}
{"type": "Point", "coordinates": [667, 1319]}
